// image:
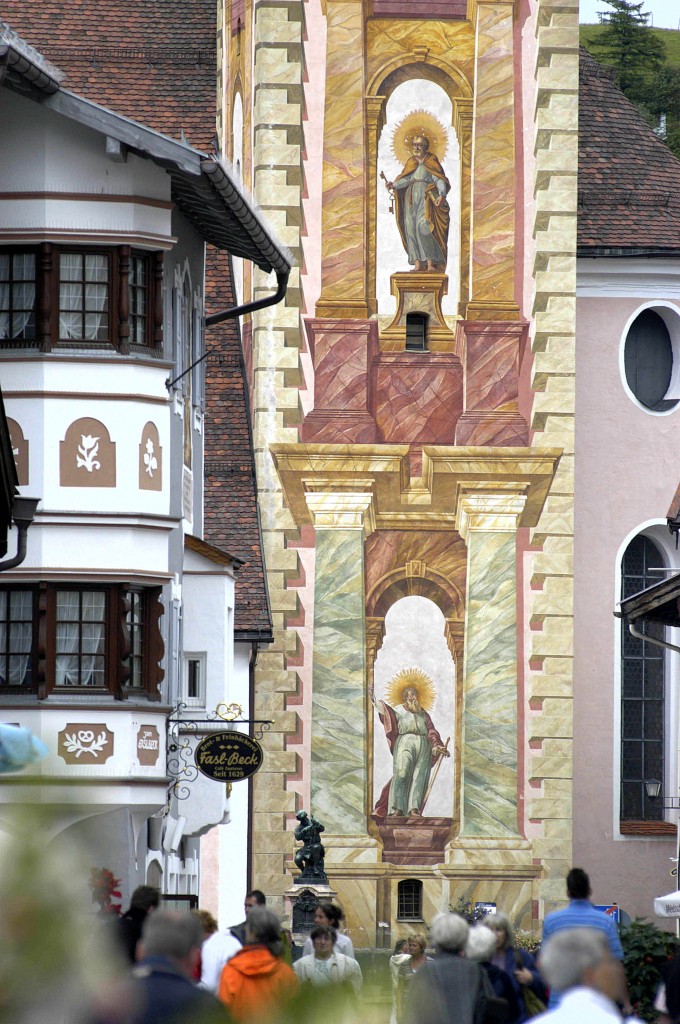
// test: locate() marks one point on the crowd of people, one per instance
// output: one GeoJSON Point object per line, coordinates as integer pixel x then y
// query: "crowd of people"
{"type": "Point", "coordinates": [187, 970]}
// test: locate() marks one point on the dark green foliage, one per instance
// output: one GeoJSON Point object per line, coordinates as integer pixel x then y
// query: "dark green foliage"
{"type": "Point", "coordinates": [627, 44]}
{"type": "Point", "coordinates": [468, 910]}
{"type": "Point", "coordinates": [641, 65]}
{"type": "Point", "coordinates": [646, 949]}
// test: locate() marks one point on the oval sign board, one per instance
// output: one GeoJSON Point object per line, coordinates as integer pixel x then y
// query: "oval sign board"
{"type": "Point", "coordinates": [228, 756]}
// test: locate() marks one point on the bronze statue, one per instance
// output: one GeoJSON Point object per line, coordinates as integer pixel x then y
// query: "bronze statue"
{"type": "Point", "coordinates": [310, 857]}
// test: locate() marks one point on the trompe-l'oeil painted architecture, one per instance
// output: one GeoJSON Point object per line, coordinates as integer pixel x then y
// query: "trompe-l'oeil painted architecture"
{"type": "Point", "coordinates": [412, 404]}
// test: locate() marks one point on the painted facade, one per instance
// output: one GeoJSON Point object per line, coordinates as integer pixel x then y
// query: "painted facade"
{"type": "Point", "coordinates": [413, 423]}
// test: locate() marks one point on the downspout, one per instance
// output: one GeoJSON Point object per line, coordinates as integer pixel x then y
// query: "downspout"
{"type": "Point", "coordinates": [652, 640]}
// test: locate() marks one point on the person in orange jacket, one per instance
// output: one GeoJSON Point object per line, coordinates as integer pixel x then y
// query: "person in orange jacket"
{"type": "Point", "coordinates": [256, 980]}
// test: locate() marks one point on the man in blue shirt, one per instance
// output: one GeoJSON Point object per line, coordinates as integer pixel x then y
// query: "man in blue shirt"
{"type": "Point", "coordinates": [582, 914]}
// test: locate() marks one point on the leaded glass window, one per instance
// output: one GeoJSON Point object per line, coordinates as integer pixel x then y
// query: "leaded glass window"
{"type": "Point", "coordinates": [642, 692]}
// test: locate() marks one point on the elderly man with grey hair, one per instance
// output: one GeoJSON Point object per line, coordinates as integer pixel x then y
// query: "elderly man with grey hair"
{"type": "Point", "coordinates": [579, 964]}
{"type": "Point", "coordinates": [448, 989]}
{"type": "Point", "coordinates": [169, 952]}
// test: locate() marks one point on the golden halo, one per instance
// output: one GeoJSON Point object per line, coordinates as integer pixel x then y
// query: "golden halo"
{"type": "Point", "coordinates": [419, 122]}
{"type": "Point", "coordinates": [416, 680]}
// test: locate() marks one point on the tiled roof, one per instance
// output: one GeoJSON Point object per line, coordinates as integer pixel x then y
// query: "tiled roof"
{"type": "Point", "coordinates": [230, 497]}
{"type": "Point", "coordinates": [156, 63]}
{"type": "Point", "coordinates": [152, 62]}
{"type": "Point", "coordinates": [629, 181]}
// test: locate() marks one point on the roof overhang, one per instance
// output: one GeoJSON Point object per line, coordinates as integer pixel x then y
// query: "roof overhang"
{"type": "Point", "coordinates": [202, 186]}
{"type": "Point", "coordinates": [659, 603]}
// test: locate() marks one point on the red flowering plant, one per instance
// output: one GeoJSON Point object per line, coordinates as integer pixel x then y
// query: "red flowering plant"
{"type": "Point", "coordinates": [104, 886]}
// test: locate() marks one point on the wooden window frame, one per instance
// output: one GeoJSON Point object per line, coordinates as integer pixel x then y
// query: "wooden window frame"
{"type": "Point", "coordinates": [117, 643]}
{"type": "Point", "coordinates": [47, 329]}
{"type": "Point", "coordinates": [15, 691]}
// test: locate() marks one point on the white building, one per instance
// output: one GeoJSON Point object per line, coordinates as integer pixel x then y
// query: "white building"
{"type": "Point", "coordinates": [121, 616]}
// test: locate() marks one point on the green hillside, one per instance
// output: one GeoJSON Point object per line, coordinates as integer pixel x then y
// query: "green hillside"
{"type": "Point", "coordinates": [668, 36]}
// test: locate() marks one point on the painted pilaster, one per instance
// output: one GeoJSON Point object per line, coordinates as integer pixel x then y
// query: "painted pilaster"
{"type": "Point", "coordinates": [343, 280]}
{"type": "Point", "coordinates": [492, 258]}
{"type": "Point", "coordinates": [488, 522]}
{"type": "Point", "coordinates": [338, 778]}
{"type": "Point", "coordinates": [277, 184]}
{"type": "Point", "coordinates": [549, 681]}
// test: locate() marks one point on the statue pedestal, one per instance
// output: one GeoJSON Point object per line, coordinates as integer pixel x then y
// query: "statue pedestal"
{"type": "Point", "coordinates": [419, 291]}
{"type": "Point", "coordinates": [304, 897]}
{"type": "Point", "coordinates": [413, 841]}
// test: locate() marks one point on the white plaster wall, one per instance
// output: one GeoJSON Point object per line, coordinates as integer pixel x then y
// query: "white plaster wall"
{"type": "Point", "coordinates": [46, 396]}
{"type": "Point", "coordinates": [68, 157]}
{"type": "Point", "coordinates": [626, 474]}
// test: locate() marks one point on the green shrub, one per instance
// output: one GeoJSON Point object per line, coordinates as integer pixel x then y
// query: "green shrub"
{"type": "Point", "coordinates": [646, 949]}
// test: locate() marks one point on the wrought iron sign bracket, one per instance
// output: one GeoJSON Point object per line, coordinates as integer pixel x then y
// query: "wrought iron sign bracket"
{"type": "Point", "coordinates": [181, 767]}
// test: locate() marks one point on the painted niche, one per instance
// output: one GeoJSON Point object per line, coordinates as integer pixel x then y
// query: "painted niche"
{"type": "Point", "coordinates": [19, 450]}
{"type": "Point", "coordinates": [414, 727]}
{"type": "Point", "coordinates": [150, 459]}
{"type": "Point", "coordinates": [87, 455]}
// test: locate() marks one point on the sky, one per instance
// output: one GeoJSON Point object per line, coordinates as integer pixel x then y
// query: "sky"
{"type": "Point", "coordinates": [666, 13]}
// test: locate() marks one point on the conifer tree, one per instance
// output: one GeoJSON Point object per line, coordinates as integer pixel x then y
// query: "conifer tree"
{"type": "Point", "coordinates": [630, 47]}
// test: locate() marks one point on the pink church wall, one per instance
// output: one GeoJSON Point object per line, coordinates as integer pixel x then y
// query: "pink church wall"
{"type": "Point", "coordinates": [626, 473]}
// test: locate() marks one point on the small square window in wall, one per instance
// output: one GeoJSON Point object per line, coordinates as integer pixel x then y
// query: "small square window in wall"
{"type": "Point", "coordinates": [410, 900]}
{"type": "Point", "coordinates": [194, 678]}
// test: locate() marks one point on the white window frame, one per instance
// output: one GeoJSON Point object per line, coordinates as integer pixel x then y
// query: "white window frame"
{"type": "Point", "coordinates": [202, 658]}
{"type": "Point", "coordinates": [657, 531]}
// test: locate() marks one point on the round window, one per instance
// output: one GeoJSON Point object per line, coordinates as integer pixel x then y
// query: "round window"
{"type": "Point", "coordinates": [648, 360]}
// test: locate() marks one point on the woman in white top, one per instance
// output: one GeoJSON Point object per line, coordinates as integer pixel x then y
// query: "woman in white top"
{"type": "Point", "coordinates": [330, 915]}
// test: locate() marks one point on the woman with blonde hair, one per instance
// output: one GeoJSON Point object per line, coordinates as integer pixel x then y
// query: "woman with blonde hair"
{"type": "Point", "coordinates": [520, 967]}
{"type": "Point", "coordinates": [411, 960]}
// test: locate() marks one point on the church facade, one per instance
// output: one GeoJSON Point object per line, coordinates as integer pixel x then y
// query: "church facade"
{"type": "Point", "coordinates": [412, 404]}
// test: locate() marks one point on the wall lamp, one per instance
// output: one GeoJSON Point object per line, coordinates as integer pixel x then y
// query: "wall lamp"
{"type": "Point", "coordinates": [23, 514]}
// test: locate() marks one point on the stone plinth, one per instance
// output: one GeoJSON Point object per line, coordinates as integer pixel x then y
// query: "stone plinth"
{"type": "Point", "coordinates": [419, 292]}
{"type": "Point", "coordinates": [303, 900]}
{"type": "Point", "coordinates": [342, 351]}
{"type": "Point", "coordinates": [406, 841]}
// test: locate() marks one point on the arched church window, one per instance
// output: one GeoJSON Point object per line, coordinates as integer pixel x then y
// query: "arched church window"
{"type": "Point", "coordinates": [643, 684]}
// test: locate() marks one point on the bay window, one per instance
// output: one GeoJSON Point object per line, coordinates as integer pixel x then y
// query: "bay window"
{"type": "Point", "coordinates": [57, 639]}
{"type": "Point", "coordinates": [52, 296]}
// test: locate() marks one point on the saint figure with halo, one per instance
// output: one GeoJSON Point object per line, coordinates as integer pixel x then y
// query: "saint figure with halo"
{"type": "Point", "coordinates": [419, 192]}
{"type": "Point", "coordinates": [415, 744]}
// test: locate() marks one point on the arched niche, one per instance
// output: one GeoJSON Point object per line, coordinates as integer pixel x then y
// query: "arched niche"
{"type": "Point", "coordinates": [417, 580]}
{"type": "Point", "coordinates": [415, 639]}
{"type": "Point", "coordinates": [452, 83]}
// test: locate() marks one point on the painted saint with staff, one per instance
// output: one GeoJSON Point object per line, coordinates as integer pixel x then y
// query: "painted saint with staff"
{"type": "Point", "coordinates": [417, 748]}
{"type": "Point", "coordinates": [419, 193]}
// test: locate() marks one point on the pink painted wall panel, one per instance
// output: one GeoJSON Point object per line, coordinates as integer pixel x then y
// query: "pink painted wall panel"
{"type": "Point", "coordinates": [418, 397]}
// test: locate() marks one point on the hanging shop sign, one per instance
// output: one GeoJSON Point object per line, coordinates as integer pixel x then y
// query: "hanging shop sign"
{"type": "Point", "coordinates": [228, 756]}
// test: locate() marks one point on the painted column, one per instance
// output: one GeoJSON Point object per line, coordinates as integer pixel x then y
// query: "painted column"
{"type": "Point", "coordinates": [487, 522]}
{"type": "Point", "coordinates": [492, 260]}
{"type": "Point", "coordinates": [338, 776]}
{"type": "Point", "coordinates": [343, 272]}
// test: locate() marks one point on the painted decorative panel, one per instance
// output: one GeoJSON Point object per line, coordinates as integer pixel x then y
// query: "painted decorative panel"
{"type": "Point", "coordinates": [150, 459]}
{"type": "Point", "coordinates": [19, 450]}
{"type": "Point", "coordinates": [87, 455]}
{"type": "Point", "coordinates": [85, 743]}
